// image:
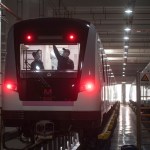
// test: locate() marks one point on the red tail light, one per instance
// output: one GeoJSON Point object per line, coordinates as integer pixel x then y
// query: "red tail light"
{"type": "Point", "coordinates": [11, 86]}
{"type": "Point", "coordinates": [88, 86]}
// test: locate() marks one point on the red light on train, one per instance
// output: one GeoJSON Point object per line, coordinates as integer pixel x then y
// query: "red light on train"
{"type": "Point", "coordinates": [71, 37]}
{"type": "Point", "coordinates": [11, 86]}
{"type": "Point", "coordinates": [88, 86]}
{"type": "Point", "coordinates": [29, 37]}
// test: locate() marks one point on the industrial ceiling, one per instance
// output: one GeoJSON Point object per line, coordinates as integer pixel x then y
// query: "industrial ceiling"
{"type": "Point", "coordinates": [110, 19]}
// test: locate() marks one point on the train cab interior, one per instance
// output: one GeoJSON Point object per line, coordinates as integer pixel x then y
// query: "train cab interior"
{"type": "Point", "coordinates": [47, 56]}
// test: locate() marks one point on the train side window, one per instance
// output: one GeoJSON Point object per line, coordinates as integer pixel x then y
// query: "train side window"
{"type": "Point", "coordinates": [48, 56]}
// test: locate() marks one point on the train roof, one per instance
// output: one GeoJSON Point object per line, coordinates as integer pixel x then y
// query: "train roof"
{"type": "Point", "coordinates": [57, 20]}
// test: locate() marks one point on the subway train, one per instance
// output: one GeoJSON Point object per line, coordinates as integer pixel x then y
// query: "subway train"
{"type": "Point", "coordinates": [72, 98]}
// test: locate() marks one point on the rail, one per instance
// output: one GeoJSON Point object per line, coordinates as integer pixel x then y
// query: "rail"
{"type": "Point", "coordinates": [57, 141]}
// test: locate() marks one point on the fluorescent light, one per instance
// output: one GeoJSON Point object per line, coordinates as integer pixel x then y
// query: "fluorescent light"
{"type": "Point", "coordinates": [126, 38]}
{"type": "Point", "coordinates": [124, 68]}
{"type": "Point", "coordinates": [128, 11]}
{"type": "Point", "coordinates": [123, 75]}
{"type": "Point", "coordinates": [127, 29]}
{"type": "Point", "coordinates": [126, 46]}
{"type": "Point", "coordinates": [124, 64]}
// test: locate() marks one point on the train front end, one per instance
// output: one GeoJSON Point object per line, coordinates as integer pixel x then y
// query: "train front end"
{"type": "Point", "coordinates": [65, 96]}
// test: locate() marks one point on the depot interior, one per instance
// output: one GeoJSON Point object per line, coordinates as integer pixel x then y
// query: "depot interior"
{"type": "Point", "coordinates": [123, 27]}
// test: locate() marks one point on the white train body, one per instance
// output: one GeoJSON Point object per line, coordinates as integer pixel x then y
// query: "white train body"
{"type": "Point", "coordinates": [82, 110]}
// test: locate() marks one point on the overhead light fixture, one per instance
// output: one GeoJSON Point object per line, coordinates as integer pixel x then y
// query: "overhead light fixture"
{"type": "Point", "coordinates": [127, 29]}
{"type": "Point", "coordinates": [126, 38]}
{"type": "Point", "coordinates": [124, 64]}
{"type": "Point", "coordinates": [124, 68]}
{"type": "Point", "coordinates": [123, 82]}
{"type": "Point", "coordinates": [124, 56]}
{"type": "Point", "coordinates": [123, 75]}
{"type": "Point", "coordinates": [128, 11]}
{"type": "Point", "coordinates": [126, 46]}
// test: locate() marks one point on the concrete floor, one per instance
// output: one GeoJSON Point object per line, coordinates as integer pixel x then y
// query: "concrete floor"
{"type": "Point", "coordinates": [125, 131]}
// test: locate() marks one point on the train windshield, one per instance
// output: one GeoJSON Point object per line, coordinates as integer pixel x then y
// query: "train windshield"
{"type": "Point", "coordinates": [49, 58]}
